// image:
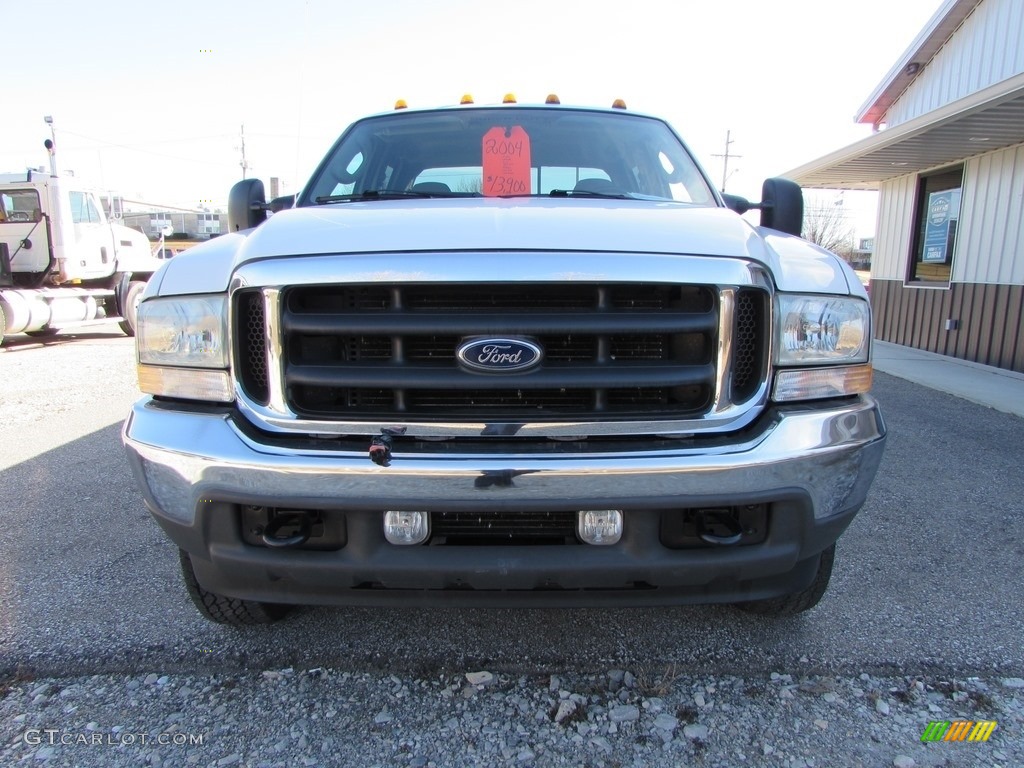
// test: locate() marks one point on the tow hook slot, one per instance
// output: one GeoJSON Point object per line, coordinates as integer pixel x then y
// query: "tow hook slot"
{"type": "Point", "coordinates": [719, 527]}
{"type": "Point", "coordinates": [322, 530]}
{"type": "Point", "coordinates": [286, 523]}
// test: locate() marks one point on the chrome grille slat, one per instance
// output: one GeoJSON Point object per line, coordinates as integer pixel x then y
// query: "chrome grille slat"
{"type": "Point", "coordinates": [615, 354]}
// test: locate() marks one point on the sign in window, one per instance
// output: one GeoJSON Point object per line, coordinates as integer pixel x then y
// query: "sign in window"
{"type": "Point", "coordinates": [935, 226]}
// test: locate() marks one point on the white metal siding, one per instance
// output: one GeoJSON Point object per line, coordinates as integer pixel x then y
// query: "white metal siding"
{"type": "Point", "coordinates": [990, 238]}
{"type": "Point", "coordinates": [986, 49]}
{"type": "Point", "coordinates": [895, 228]}
{"type": "Point", "coordinates": [990, 241]}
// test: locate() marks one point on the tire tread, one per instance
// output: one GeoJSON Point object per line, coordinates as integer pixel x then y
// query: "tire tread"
{"type": "Point", "coordinates": [798, 602]}
{"type": "Point", "coordinates": [227, 610]}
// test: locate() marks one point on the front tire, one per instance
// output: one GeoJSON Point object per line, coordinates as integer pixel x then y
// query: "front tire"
{"type": "Point", "coordinates": [131, 307]}
{"type": "Point", "coordinates": [797, 602]}
{"type": "Point", "coordinates": [227, 610]}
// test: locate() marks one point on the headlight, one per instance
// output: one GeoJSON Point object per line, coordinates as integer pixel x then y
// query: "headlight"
{"type": "Point", "coordinates": [818, 330]}
{"type": "Point", "coordinates": [183, 348]}
{"type": "Point", "coordinates": [189, 332]}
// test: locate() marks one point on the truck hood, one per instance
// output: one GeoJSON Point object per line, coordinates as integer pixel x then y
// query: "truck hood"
{"type": "Point", "coordinates": [517, 224]}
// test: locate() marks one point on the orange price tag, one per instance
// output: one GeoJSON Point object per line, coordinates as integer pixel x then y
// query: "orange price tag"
{"type": "Point", "coordinates": [506, 161]}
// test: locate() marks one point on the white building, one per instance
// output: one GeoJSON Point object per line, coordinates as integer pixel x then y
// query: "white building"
{"type": "Point", "coordinates": [947, 159]}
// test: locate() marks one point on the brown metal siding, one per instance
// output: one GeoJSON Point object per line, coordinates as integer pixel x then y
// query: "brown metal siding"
{"type": "Point", "coordinates": [989, 315]}
{"type": "Point", "coordinates": [1013, 352]}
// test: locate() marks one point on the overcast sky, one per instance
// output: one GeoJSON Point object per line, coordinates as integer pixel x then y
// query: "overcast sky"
{"type": "Point", "coordinates": [148, 99]}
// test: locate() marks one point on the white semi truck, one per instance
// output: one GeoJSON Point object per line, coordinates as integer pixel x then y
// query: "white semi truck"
{"type": "Point", "coordinates": [63, 262]}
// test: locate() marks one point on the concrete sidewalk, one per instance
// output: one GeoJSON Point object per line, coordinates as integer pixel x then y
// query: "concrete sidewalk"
{"type": "Point", "coordinates": [995, 387]}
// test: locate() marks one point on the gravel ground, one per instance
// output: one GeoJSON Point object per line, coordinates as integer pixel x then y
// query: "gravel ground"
{"type": "Point", "coordinates": [325, 717]}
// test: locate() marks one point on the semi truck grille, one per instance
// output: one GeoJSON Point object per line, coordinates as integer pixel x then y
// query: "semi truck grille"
{"type": "Point", "coordinates": [609, 351]}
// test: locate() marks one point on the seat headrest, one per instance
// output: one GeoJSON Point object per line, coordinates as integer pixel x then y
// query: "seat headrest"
{"type": "Point", "coordinates": [432, 187]}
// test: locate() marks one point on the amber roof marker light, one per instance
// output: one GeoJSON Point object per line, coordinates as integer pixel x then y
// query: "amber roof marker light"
{"type": "Point", "coordinates": [552, 99]}
{"type": "Point", "coordinates": [400, 104]}
{"type": "Point", "coordinates": [618, 104]}
{"type": "Point", "coordinates": [510, 98]}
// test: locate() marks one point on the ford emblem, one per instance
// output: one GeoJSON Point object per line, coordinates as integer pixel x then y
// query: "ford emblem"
{"type": "Point", "coordinates": [499, 355]}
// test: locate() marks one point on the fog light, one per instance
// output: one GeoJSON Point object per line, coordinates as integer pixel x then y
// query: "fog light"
{"type": "Point", "coordinates": [600, 526]}
{"type": "Point", "coordinates": [406, 527]}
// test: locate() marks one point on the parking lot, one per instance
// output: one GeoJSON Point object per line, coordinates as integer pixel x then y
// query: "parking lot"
{"type": "Point", "coordinates": [927, 582]}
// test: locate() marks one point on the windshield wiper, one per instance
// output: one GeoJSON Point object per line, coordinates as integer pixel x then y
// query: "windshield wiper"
{"type": "Point", "coordinates": [387, 194]}
{"type": "Point", "coordinates": [587, 193]}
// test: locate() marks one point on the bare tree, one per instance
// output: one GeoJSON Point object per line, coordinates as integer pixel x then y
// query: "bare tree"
{"type": "Point", "coordinates": [826, 224]}
{"type": "Point", "coordinates": [472, 185]}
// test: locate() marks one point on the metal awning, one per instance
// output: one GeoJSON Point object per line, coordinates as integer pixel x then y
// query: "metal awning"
{"type": "Point", "coordinates": [986, 120]}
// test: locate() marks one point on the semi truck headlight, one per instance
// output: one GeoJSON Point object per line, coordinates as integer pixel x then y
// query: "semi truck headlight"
{"type": "Point", "coordinates": [816, 330]}
{"type": "Point", "coordinates": [183, 348]}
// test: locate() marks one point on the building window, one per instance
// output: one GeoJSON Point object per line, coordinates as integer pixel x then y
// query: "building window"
{"type": "Point", "coordinates": [935, 223]}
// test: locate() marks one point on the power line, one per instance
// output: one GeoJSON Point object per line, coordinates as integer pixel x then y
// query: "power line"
{"type": "Point", "coordinates": [130, 148]}
{"type": "Point", "coordinates": [180, 140]}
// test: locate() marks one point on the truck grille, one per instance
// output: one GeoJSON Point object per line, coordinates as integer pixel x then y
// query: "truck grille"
{"type": "Point", "coordinates": [610, 350]}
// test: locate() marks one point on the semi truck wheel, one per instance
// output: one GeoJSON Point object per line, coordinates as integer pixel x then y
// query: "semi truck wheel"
{"type": "Point", "coordinates": [131, 307]}
{"type": "Point", "coordinates": [227, 610]}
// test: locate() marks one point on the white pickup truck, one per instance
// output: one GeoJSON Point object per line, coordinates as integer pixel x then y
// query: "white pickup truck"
{"type": "Point", "coordinates": [509, 354]}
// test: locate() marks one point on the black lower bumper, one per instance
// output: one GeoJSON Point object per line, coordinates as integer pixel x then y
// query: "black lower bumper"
{"type": "Point", "coordinates": [638, 570]}
{"type": "Point", "coordinates": [812, 467]}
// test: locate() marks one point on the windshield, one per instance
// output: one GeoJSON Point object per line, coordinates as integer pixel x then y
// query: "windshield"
{"type": "Point", "coordinates": [508, 152]}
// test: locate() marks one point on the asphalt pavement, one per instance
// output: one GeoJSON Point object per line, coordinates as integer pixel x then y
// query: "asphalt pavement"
{"type": "Point", "coordinates": [927, 578]}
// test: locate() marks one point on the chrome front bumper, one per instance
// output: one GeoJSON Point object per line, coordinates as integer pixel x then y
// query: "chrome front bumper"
{"type": "Point", "coordinates": [191, 463]}
{"type": "Point", "coordinates": [183, 457]}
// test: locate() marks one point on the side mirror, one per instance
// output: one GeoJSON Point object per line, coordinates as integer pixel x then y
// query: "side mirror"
{"type": "Point", "coordinates": [782, 206]}
{"type": "Point", "coordinates": [282, 203]}
{"type": "Point", "coordinates": [736, 203]}
{"type": "Point", "coordinates": [247, 205]}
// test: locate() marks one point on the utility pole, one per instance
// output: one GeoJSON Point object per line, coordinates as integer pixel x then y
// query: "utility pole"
{"type": "Point", "coordinates": [52, 148]}
{"type": "Point", "coordinates": [244, 164]}
{"type": "Point", "coordinates": [725, 159]}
